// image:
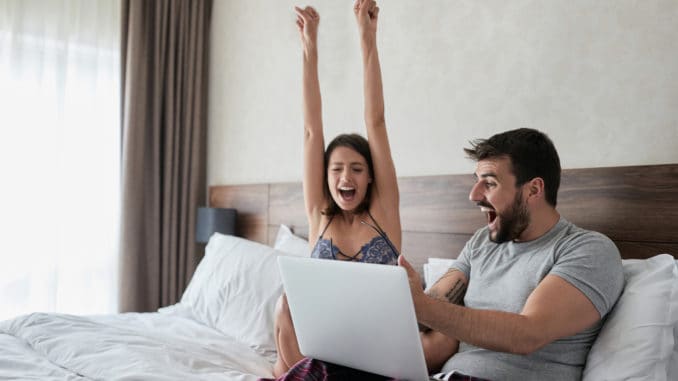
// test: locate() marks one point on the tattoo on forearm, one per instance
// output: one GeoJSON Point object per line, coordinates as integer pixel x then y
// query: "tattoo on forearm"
{"type": "Point", "coordinates": [455, 294]}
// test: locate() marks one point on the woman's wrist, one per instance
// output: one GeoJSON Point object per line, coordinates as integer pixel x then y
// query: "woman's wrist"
{"type": "Point", "coordinates": [369, 52]}
{"type": "Point", "coordinates": [310, 51]}
{"type": "Point", "coordinates": [368, 41]}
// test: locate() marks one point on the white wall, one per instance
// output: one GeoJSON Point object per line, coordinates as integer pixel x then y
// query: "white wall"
{"type": "Point", "coordinates": [599, 76]}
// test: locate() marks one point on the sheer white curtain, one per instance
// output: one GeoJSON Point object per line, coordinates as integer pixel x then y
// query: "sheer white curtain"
{"type": "Point", "coordinates": [59, 156]}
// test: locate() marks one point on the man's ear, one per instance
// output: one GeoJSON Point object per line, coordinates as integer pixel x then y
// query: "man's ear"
{"type": "Point", "coordinates": [535, 187]}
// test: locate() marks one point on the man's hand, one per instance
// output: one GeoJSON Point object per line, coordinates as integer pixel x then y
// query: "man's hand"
{"type": "Point", "coordinates": [438, 347]}
{"type": "Point", "coordinates": [415, 281]}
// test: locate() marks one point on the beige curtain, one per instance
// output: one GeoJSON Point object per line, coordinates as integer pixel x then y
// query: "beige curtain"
{"type": "Point", "coordinates": [164, 123]}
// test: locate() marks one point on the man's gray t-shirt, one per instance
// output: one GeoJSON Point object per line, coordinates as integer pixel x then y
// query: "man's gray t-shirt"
{"type": "Point", "coordinates": [502, 277]}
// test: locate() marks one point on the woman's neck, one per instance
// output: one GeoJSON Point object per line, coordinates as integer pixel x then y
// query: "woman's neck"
{"type": "Point", "coordinates": [349, 217]}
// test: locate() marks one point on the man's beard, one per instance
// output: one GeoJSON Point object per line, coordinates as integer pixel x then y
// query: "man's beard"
{"type": "Point", "coordinates": [513, 222]}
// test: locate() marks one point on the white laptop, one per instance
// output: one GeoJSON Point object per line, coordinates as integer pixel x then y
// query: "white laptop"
{"type": "Point", "coordinates": [358, 315]}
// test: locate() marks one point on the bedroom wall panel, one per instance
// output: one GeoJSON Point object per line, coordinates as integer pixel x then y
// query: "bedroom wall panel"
{"type": "Point", "coordinates": [287, 207]}
{"type": "Point", "coordinates": [636, 206]}
{"type": "Point", "coordinates": [438, 204]}
{"type": "Point", "coordinates": [419, 246]}
{"type": "Point", "coordinates": [251, 201]}
{"type": "Point", "coordinates": [646, 249]}
{"type": "Point", "coordinates": [626, 203]}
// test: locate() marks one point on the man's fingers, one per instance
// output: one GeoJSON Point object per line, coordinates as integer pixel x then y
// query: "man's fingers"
{"type": "Point", "coordinates": [404, 263]}
{"type": "Point", "coordinates": [412, 274]}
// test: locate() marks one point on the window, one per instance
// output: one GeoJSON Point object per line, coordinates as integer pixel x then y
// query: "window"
{"type": "Point", "coordinates": [59, 156]}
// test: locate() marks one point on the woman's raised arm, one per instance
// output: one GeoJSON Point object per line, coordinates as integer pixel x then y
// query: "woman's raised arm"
{"type": "Point", "coordinates": [314, 198]}
{"type": "Point", "coordinates": [385, 182]}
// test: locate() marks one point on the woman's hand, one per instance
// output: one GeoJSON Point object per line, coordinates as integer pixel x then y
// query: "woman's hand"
{"type": "Point", "coordinates": [366, 14]}
{"type": "Point", "coordinates": [307, 21]}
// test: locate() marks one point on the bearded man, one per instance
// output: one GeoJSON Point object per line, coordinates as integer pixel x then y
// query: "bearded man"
{"type": "Point", "coordinates": [529, 292]}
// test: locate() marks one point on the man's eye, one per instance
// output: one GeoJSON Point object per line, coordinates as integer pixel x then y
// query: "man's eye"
{"type": "Point", "coordinates": [490, 185]}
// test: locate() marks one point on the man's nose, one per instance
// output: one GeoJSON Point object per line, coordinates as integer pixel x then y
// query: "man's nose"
{"type": "Point", "coordinates": [475, 195]}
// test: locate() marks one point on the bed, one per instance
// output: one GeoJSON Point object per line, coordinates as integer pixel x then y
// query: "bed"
{"type": "Point", "coordinates": [222, 327]}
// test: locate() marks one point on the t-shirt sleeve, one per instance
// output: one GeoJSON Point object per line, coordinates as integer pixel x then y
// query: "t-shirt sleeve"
{"type": "Point", "coordinates": [591, 262]}
{"type": "Point", "coordinates": [462, 263]}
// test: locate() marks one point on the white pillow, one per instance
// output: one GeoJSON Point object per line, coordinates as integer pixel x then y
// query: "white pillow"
{"type": "Point", "coordinates": [434, 269]}
{"type": "Point", "coordinates": [673, 363]}
{"type": "Point", "coordinates": [234, 290]}
{"type": "Point", "coordinates": [291, 244]}
{"type": "Point", "coordinates": [637, 340]}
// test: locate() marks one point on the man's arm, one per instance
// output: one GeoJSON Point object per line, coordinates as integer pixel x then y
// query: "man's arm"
{"type": "Point", "coordinates": [555, 309]}
{"type": "Point", "coordinates": [451, 288]}
{"type": "Point", "coordinates": [438, 347]}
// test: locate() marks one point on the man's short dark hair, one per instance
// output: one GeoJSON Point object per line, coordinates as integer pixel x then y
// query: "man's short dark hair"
{"type": "Point", "coordinates": [531, 152]}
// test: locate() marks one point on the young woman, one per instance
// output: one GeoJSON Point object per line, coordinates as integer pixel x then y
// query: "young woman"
{"type": "Point", "coordinates": [350, 189]}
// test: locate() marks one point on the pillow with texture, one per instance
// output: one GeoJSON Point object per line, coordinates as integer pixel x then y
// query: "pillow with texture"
{"type": "Point", "coordinates": [637, 340]}
{"type": "Point", "coordinates": [288, 242]}
{"type": "Point", "coordinates": [434, 269]}
{"type": "Point", "coordinates": [234, 290]}
{"type": "Point", "coordinates": [673, 363]}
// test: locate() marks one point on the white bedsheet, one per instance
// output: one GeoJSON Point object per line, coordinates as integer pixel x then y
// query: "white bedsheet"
{"type": "Point", "coordinates": [133, 346]}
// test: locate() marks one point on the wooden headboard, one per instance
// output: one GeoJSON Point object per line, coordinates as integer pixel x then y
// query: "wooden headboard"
{"type": "Point", "coordinates": [636, 206]}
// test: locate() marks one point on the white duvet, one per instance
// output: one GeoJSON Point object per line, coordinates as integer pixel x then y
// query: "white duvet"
{"type": "Point", "coordinates": [133, 346]}
{"type": "Point", "coordinates": [222, 329]}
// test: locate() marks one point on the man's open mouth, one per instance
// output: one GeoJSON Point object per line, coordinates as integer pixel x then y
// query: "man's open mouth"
{"type": "Point", "coordinates": [490, 213]}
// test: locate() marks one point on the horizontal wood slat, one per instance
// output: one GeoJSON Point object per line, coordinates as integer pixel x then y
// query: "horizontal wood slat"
{"type": "Point", "coordinates": [251, 201]}
{"type": "Point", "coordinates": [438, 204]}
{"type": "Point", "coordinates": [287, 205]}
{"type": "Point", "coordinates": [625, 203]}
{"type": "Point", "coordinates": [636, 206]}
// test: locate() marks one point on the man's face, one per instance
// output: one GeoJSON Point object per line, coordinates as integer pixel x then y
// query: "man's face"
{"type": "Point", "coordinates": [496, 193]}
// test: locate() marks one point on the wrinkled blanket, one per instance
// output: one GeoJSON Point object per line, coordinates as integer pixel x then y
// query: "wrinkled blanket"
{"type": "Point", "coordinates": [132, 346]}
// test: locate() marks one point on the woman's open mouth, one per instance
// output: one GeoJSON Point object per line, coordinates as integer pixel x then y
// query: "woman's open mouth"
{"type": "Point", "coordinates": [347, 193]}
